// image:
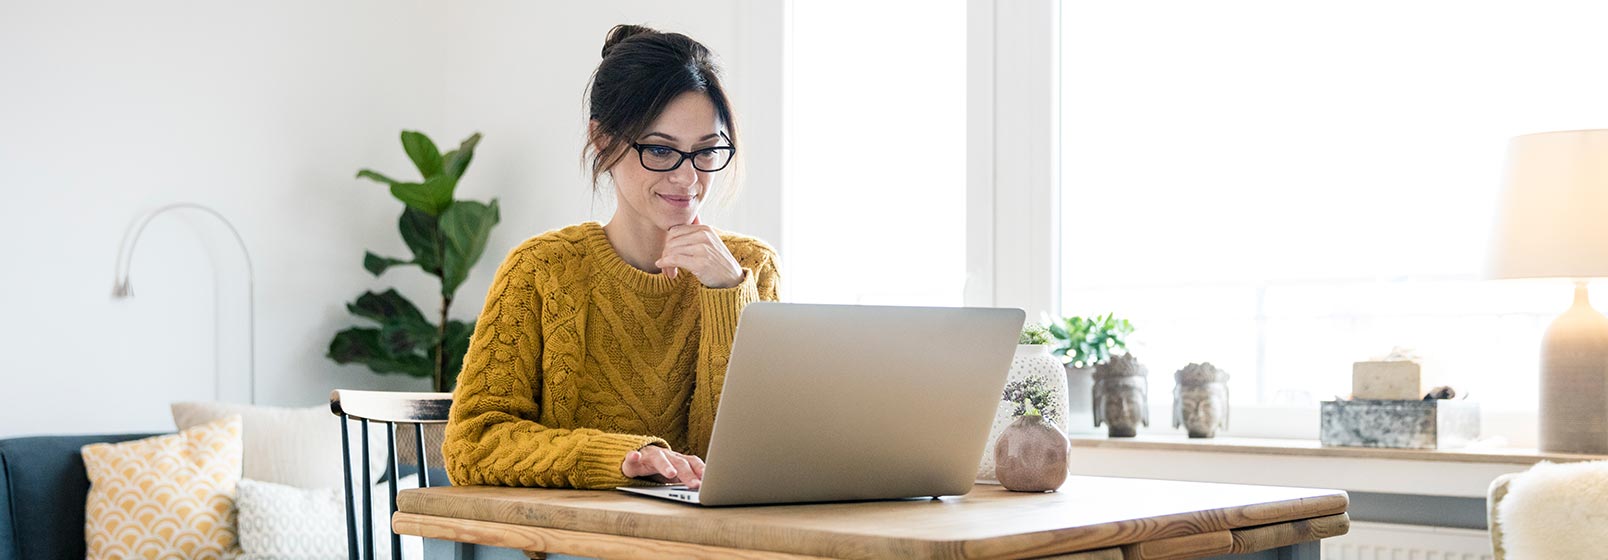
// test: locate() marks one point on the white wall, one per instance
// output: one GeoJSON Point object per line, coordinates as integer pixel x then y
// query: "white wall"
{"type": "Point", "coordinates": [264, 111]}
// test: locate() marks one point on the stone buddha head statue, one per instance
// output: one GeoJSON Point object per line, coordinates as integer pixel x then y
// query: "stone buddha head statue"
{"type": "Point", "coordinates": [1121, 396]}
{"type": "Point", "coordinates": [1200, 399]}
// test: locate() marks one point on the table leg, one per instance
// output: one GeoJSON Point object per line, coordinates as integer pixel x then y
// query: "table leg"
{"type": "Point", "coordinates": [1298, 551]}
{"type": "Point", "coordinates": [1301, 551]}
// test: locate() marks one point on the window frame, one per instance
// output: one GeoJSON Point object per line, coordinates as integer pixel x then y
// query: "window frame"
{"type": "Point", "coordinates": [1013, 197]}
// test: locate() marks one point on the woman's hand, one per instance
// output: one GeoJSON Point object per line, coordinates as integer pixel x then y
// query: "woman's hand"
{"type": "Point", "coordinates": [663, 465]}
{"type": "Point", "coordinates": [697, 248]}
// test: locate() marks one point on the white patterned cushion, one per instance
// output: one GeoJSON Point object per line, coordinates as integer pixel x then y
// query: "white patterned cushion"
{"type": "Point", "coordinates": [279, 522]}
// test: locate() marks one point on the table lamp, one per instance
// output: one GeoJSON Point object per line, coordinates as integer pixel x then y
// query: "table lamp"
{"type": "Point", "coordinates": [1552, 222]}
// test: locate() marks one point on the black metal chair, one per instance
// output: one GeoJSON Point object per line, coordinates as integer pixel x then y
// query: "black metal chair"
{"type": "Point", "coordinates": [389, 408]}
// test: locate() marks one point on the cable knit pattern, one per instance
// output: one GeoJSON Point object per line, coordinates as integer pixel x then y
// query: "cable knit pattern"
{"type": "Point", "coordinates": [579, 358]}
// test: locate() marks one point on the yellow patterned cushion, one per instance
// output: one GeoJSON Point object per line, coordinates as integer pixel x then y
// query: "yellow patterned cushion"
{"type": "Point", "coordinates": [165, 497]}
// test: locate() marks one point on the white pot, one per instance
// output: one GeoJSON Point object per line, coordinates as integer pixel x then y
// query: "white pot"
{"type": "Point", "coordinates": [1080, 400]}
{"type": "Point", "coordinates": [1030, 360]}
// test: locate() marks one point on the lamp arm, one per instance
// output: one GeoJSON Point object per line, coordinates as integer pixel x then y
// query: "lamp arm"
{"type": "Point", "coordinates": [125, 262]}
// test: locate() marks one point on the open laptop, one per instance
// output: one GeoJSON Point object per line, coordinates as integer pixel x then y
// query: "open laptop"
{"type": "Point", "coordinates": [829, 403]}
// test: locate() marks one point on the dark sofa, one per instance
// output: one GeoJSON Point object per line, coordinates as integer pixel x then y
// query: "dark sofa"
{"type": "Point", "coordinates": [42, 492]}
{"type": "Point", "coordinates": [43, 487]}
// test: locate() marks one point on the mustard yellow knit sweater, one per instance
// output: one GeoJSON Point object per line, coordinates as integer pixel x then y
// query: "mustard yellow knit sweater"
{"type": "Point", "coordinates": [579, 358]}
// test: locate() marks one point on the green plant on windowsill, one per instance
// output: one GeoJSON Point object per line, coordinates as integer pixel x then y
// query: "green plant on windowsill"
{"type": "Point", "coordinates": [1089, 341]}
{"type": "Point", "coordinates": [447, 238]}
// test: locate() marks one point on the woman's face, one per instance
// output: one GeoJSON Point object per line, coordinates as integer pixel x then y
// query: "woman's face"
{"type": "Point", "coordinates": [666, 199]}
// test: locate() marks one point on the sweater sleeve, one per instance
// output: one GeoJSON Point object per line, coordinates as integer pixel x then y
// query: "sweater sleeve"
{"type": "Point", "coordinates": [493, 436]}
{"type": "Point", "coordinates": [719, 309]}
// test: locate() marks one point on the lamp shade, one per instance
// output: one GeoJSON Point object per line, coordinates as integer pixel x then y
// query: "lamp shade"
{"type": "Point", "coordinates": [1552, 217]}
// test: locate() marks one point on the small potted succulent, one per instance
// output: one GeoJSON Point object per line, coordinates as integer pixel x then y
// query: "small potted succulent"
{"type": "Point", "coordinates": [1083, 343]}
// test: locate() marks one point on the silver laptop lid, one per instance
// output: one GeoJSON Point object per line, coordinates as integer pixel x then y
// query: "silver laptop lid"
{"type": "Point", "coordinates": [847, 402]}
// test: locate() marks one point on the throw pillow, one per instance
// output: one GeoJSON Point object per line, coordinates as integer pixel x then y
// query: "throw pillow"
{"type": "Point", "coordinates": [292, 446]}
{"type": "Point", "coordinates": [168, 496]}
{"type": "Point", "coordinates": [279, 522]}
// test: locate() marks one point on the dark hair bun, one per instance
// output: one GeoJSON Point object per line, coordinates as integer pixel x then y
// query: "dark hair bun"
{"type": "Point", "coordinates": [642, 70]}
{"type": "Point", "coordinates": [623, 32]}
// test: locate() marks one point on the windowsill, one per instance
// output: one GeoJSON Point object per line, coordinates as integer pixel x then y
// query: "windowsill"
{"type": "Point", "coordinates": [1311, 448]}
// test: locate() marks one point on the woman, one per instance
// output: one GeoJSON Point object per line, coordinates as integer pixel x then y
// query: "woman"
{"type": "Point", "coordinates": [599, 358]}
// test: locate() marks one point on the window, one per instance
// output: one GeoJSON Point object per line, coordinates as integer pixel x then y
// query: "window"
{"type": "Point", "coordinates": [874, 210]}
{"type": "Point", "coordinates": [1285, 188]}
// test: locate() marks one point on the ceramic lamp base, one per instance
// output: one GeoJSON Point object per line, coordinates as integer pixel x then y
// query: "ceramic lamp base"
{"type": "Point", "coordinates": [1574, 380]}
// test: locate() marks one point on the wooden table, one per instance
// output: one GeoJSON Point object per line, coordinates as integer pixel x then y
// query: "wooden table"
{"type": "Point", "coordinates": [1090, 518]}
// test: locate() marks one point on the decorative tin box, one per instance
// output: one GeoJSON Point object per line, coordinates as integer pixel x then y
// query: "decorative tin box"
{"type": "Point", "coordinates": [1433, 424]}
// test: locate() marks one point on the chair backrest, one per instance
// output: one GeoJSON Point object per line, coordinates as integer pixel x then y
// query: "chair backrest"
{"type": "Point", "coordinates": [390, 409]}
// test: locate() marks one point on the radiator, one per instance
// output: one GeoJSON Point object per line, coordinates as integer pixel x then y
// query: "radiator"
{"type": "Point", "coordinates": [1383, 541]}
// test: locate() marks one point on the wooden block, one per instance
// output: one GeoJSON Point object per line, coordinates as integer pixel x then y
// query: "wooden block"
{"type": "Point", "coordinates": [1394, 380]}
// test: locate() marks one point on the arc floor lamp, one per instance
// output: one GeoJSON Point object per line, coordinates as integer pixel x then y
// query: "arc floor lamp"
{"type": "Point", "coordinates": [123, 289]}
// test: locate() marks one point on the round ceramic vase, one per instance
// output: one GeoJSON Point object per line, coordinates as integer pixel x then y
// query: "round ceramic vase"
{"type": "Point", "coordinates": [1031, 456]}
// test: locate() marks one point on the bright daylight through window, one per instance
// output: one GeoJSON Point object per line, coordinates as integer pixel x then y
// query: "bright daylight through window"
{"type": "Point", "coordinates": [1284, 188]}
{"type": "Point", "coordinates": [874, 210]}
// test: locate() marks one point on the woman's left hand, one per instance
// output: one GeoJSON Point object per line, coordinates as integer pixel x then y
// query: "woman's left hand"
{"type": "Point", "coordinates": [697, 248]}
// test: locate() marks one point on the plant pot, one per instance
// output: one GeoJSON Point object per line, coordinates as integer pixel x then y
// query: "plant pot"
{"type": "Point", "coordinates": [1031, 360]}
{"type": "Point", "coordinates": [1080, 400]}
{"type": "Point", "coordinates": [1031, 455]}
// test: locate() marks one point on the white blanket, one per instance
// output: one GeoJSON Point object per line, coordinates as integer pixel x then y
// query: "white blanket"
{"type": "Point", "coordinates": [1557, 512]}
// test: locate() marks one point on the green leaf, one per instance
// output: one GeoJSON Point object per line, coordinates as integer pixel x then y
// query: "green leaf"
{"type": "Point", "coordinates": [376, 264]}
{"type": "Point", "coordinates": [388, 307]}
{"type": "Point", "coordinates": [362, 346]}
{"type": "Point", "coordinates": [421, 231]}
{"type": "Point", "coordinates": [376, 177]}
{"type": "Point", "coordinates": [403, 338]}
{"type": "Point", "coordinates": [466, 226]}
{"type": "Point", "coordinates": [1058, 331]}
{"type": "Point", "coordinates": [457, 161]}
{"type": "Point", "coordinates": [423, 152]}
{"type": "Point", "coordinates": [431, 197]}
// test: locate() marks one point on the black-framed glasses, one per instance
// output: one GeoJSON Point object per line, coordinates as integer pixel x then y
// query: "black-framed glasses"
{"type": "Point", "coordinates": [659, 157]}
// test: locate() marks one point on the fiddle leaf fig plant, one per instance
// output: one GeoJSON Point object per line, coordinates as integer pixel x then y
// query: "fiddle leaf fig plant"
{"type": "Point", "coordinates": [447, 237]}
{"type": "Point", "coordinates": [1089, 341]}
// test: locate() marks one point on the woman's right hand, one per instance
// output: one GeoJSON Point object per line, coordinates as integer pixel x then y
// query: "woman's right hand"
{"type": "Point", "coordinates": [663, 465]}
